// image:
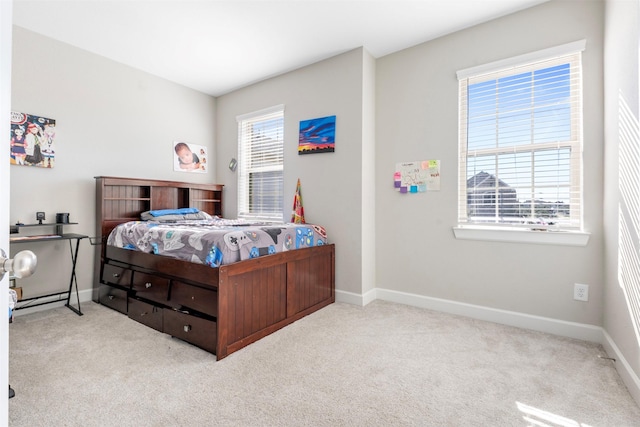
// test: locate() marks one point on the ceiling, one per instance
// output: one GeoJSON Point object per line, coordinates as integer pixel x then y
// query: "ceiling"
{"type": "Point", "coordinates": [217, 46]}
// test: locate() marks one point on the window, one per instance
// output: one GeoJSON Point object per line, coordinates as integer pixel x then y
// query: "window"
{"type": "Point", "coordinates": [261, 164]}
{"type": "Point", "coordinates": [520, 147]}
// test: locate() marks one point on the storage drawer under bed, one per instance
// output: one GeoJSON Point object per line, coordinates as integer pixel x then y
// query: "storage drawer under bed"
{"type": "Point", "coordinates": [193, 297]}
{"type": "Point", "coordinates": [145, 313]}
{"type": "Point", "coordinates": [195, 330]}
{"type": "Point", "coordinates": [115, 275]}
{"type": "Point", "coordinates": [150, 286]}
{"type": "Point", "coordinates": [114, 298]}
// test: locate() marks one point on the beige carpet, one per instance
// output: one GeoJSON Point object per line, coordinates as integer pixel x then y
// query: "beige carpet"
{"type": "Point", "coordinates": [382, 365]}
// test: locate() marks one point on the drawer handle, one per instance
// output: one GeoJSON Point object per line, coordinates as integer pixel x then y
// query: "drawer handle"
{"type": "Point", "coordinates": [111, 297]}
{"type": "Point", "coordinates": [144, 313]}
{"type": "Point", "coordinates": [147, 285]}
{"type": "Point", "coordinates": [116, 275]}
{"type": "Point", "coordinates": [186, 328]}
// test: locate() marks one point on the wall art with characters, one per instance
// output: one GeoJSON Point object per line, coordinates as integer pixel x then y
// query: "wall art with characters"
{"type": "Point", "coordinates": [32, 140]}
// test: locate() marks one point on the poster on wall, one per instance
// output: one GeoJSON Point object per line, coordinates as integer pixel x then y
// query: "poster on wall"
{"type": "Point", "coordinates": [417, 177]}
{"type": "Point", "coordinates": [317, 135]}
{"type": "Point", "coordinates": [32, 140]}
{"type": "Point", "coordinates": [189, 157]}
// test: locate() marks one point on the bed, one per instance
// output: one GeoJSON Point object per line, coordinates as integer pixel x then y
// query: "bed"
{"type": "Point", "coordinates": [218, 303]}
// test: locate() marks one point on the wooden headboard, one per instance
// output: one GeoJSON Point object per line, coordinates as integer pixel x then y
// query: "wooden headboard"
{"type": "Point", "coordinates": [120, 200]}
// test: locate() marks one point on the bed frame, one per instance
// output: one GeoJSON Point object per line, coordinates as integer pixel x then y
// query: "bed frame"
{"type": "Point", "coordinates": [218, 309]}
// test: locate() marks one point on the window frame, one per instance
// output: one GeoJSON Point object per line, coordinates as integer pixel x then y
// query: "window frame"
{"type": "Point", "coordinates": [245, 166]}
{"type": "Point", "coordinates": [571, 233]}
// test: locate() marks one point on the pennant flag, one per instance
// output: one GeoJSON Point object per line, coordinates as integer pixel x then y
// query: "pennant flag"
{"type": "Point", "coordinates": [297, 215]}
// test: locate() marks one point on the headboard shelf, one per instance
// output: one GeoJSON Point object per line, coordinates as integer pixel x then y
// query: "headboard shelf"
{"type": "Point", "coordinates": [120, 200]}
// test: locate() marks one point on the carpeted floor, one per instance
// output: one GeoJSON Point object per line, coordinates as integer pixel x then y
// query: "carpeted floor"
{"type": "Point", "coordinates": [384, 364]}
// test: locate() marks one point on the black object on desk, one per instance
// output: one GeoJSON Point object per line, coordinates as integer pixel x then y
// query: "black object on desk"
{"type": "Point", "coordinates": [71, 237]}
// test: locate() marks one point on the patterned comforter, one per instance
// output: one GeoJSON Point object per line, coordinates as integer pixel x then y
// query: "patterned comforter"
{"type": "Point", "coordinates": [215, 242]}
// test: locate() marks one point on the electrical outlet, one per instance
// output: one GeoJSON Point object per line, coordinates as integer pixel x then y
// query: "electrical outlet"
{"type": "Point", "coordinates": [580, 292]}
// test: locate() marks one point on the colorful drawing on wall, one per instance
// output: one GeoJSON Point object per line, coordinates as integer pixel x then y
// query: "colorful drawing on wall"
{"type": "Point", "coordinates": [417, 177]}
{"type": "Point", "coordinates": [317, 135]}
{"type": "Point", "coordinates": [32, 140]}
{"type": "Point", "coordinates": [189, 157]}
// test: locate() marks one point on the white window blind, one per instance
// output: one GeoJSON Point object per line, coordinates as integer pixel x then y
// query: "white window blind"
{"type": "Point", "coordinates": [261, 164]}
{"type": "Point", "coordinates": [520, 148]}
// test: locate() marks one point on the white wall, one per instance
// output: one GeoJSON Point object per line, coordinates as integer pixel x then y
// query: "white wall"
{"type": "Point", "coordinates": [622, 297]}
{"type": "Point", "coordinates": [111, 120]}
{"type": "Point", "coordinates": [332, 183]}
{"type": "Point", "coordinates": [417, 119]}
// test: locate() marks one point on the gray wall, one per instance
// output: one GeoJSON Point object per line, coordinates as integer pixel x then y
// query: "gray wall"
{"type": "Point", "coordinates": [622, 297]}
{"type": "Point", "coordinates": [417, 119]}
{"type": "Point", "coordinates": [332, 183]}
{"type": "Point", "coordinates": [110, 120]}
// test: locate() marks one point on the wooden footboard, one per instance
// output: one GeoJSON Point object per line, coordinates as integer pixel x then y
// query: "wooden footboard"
{"type": "Point", "coordinates": [260, 296]}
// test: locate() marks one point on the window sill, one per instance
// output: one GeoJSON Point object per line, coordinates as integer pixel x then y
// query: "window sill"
{"type": "Point", "coordinates": [495, 234]}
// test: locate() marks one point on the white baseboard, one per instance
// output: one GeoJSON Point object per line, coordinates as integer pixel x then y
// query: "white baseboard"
{"type": "Point", "coordinates": [53, 302]}
{"type": "Point", "coordinates": [355, 299]}
{"type": "Point", "coordinates": [537, 323]}
{"type": "Point", "coordinates": [629, 377]}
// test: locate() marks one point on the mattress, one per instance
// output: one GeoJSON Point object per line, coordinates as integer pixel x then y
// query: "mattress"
{"type": "Point", "coordinates": [215, 241]}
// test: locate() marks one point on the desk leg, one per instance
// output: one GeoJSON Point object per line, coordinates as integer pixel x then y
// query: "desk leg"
{"type": "Point", "coordinates": [74, 257]}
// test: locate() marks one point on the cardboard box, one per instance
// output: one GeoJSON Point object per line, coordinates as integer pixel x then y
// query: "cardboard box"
{"type": "Point", "coordinates": [18, 292]}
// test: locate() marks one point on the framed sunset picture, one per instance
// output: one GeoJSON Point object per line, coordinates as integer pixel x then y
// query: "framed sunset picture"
{"type": "Point", "coordinates": [317, 135]}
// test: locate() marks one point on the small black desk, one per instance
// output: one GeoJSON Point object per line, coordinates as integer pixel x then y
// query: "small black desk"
{"type": "Point", "coordinates": [74, 257]}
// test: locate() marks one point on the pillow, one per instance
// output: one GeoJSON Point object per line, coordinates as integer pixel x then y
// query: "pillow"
{"type": "Point", "coordinates": [180, 211]}
{"type": "Point", "coordinates": [166, 215]}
